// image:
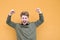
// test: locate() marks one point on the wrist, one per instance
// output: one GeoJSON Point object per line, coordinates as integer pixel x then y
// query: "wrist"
{"type": "Point", "coordinates": [40, 12]}
{"type": "Point", "coordinates": [10, 14]}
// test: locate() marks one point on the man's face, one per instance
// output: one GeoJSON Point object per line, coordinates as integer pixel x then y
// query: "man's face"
{"type": "Point", "coordinates": [24, 19]}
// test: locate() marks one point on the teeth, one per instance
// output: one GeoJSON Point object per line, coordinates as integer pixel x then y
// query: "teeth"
{"type": "Point", "coordinates": [24, 21]}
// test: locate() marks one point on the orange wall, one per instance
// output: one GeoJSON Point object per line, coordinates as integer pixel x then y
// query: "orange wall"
{"type": "Point", "coordinates": [49, 30]}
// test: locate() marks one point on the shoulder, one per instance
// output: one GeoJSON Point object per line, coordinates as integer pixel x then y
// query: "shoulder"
{"type": "Point", "coordinates": [32, 23]}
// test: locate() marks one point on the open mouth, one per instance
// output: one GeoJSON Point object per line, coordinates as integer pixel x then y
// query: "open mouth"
{"type": "Point", "coordinates": [24, 21]}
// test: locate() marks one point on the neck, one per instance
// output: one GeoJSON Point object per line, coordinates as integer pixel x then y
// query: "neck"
{"type": "Point", "coordinates": [24, 23]}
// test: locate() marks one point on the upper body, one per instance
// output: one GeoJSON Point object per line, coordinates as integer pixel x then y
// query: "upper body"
{"type": "Point", "coordinates": [26, 30]}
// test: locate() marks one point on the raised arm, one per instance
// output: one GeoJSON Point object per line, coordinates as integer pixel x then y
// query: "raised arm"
{"type": "Point", "coordinates": [8, 21]}
{"type": "Point", "coordinates": [41, 19]}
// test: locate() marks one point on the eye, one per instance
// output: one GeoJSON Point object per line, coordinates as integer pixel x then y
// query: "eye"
{"type": "Point", "coordinates": [23, 18]}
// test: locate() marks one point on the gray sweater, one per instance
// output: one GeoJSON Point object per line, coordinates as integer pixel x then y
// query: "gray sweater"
{"type": "Point", "coordinates": [26, 32]}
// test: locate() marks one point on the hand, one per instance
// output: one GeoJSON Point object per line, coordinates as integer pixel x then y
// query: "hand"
{"type": "Point", "coordinates": [11, 12]}
{"type": "Point", "coordinates": [38, 10]}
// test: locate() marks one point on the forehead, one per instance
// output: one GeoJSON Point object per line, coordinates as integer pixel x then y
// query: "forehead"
{"type": "Point", "coordinates": [24, 16]}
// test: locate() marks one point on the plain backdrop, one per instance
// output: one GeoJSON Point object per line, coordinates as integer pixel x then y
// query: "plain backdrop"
{"type": "Point", "coordinates": [49, 30]}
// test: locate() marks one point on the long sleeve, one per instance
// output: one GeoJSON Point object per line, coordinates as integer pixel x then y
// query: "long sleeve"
{"type": "Point", "coordinates": [40, 21]}
{"type": "Point", "coordinates": [9, 22]}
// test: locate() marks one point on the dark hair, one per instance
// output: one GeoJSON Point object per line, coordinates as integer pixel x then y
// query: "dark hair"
{"type": "Point", "coordinates": [24, 13]}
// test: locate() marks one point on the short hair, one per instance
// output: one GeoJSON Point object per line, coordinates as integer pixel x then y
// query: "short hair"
{"type": "Point", "coordinates": [24, 13]}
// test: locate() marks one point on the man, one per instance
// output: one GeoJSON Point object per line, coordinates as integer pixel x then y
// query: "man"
{"type": "Point", "coordinates": [25, 30]}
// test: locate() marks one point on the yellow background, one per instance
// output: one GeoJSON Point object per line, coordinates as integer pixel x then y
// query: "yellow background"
{"type": "Point", "coordinates": [49, 30]}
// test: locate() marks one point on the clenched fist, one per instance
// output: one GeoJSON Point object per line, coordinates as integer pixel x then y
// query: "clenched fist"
{"type": "Point", "coordinates": [11, 12]}
{"type": "Point", "coordinates": [39, 10]}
